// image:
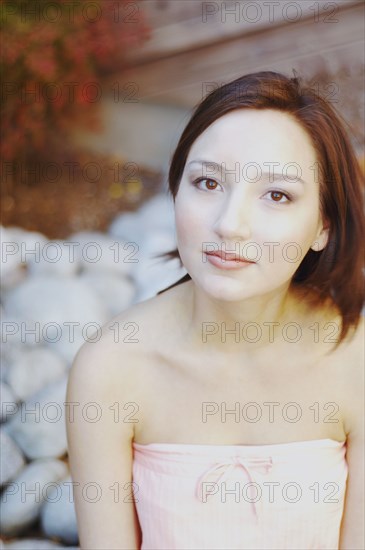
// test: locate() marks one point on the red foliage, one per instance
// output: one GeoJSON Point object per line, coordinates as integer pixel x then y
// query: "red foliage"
{"type": "Point", "coordinates": [54, 56]}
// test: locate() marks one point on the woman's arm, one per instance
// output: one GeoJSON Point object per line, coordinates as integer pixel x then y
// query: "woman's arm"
{"type": "Point", "coordinates": [352, 527]}
{"type": "Point", "coordinates": [100, 452]}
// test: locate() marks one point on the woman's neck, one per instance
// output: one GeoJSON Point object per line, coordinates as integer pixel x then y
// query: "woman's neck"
{"type": "Point", "coordinates": [249, 325]}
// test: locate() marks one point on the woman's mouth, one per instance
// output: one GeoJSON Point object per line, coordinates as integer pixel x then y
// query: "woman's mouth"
{"type": "Point", "coordinates": [227, 260]}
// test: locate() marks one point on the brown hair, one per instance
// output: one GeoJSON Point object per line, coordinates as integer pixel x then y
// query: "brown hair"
{"type": "Point", "coordinates": [336, 272]}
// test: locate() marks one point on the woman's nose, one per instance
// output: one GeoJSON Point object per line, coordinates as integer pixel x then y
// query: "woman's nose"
{"type": "Point", "coordinates": [234, 219]}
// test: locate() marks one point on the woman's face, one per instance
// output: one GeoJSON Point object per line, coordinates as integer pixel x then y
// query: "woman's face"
{"type": "Point", "coordinates": [249, 187]}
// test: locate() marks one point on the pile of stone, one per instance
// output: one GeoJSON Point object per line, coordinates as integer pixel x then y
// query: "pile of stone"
{"type": "Point", "coordinates": [56, 295]}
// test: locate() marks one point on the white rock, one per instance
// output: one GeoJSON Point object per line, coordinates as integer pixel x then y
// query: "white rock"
{"type": "Point", "coordinates": [30, 241]}
{"type": "Point", "coordinates": [13, 329]}
{"type": "Point", "coordinates": [18, 246]}
{"type": "Point", "coordinates": [58, 516]}
{"type": "Point", "coordinates": [10, 258]}
{"type": "Point", "coordinates": [158, 242]}
{"type": "Point", "coordinates": [64, 311]}
{"type": "Point", "coordinates": [8, 401]}
{"type": "Point", "coordinates": [117, 293]}
{"type": "Point", "coordinates": [39, 426]}
{"type": "Point", "coordinates": [158, 213]}
{"type": "Point", "coordinates": [33, 369]}
{"type": "Point", "coordinates": [127, 227]}
{"type": "Point", "coordinates": [8, 349]}
{"type": "Point", "coordinates": [159, 280]}
{"type": "Point", "coordinates": [57, 258]}
{"type": "Point", "coordinates": [101, 254]}
{"type": "Point", "coordinates": [22, 499]}
{"type": "Point", "coordinates": [155, 273]}
{"type": "Point", "coordinates": [12, 271]}
{"type": "Point", "coordinates": [11, 458]}
{"type": "Point", "coordinates": [152, 227]}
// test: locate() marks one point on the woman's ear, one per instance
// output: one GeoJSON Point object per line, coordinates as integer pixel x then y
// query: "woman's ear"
{"type": "Point", "coordinates": [322, 238]}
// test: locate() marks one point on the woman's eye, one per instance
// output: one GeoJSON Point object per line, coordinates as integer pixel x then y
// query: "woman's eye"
{"type": "Point", "coordinates": [211, 184]}
{"type": "Point", "coordinates": [277, 196]}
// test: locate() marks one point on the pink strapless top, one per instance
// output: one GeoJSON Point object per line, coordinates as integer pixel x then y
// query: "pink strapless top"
{"type": "Point", "coordinates": [226, 497]}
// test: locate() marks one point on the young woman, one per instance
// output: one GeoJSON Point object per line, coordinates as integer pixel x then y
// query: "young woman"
{"type": "Point", "coordinates": [233, 419]}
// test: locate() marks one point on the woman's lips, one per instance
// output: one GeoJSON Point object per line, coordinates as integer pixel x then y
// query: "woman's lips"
{"type": "Point", "coordinates": [227, 260]}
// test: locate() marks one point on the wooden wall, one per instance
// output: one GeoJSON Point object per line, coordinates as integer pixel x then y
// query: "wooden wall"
{"type": "Point", "coordinates": [197, 45]}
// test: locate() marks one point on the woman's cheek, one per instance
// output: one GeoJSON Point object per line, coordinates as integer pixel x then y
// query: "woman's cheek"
{"type": "Point", "coordinates": [187, 226]}
{"type": "Point", "coordinates": [293, 230]}
{"type": "Point", "coordinates": [189, 217]}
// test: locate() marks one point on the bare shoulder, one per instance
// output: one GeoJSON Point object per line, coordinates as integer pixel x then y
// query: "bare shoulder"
{"type": "Point", "coordinates": [351, 351]}
{"type": "Point", "coordinates": [109, 384]}
{"type": "Point", "coordinates": [350, 363]}
{"type": "Point", "coordinates": [147, 325]}
{"type": "Point", "coordinates": [353, 404]}
{"type": "Point", "coordinates": [125, 341]}
{"type": "Point", "coordinates": [344, 364]}
{"type": "Point", "coordinates": [329, 320]}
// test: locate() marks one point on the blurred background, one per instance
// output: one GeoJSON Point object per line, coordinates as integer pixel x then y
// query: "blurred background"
{"type": "Point", "coordinates": [114, 83]}
{"type": "Point", "coordinates": [94, 98]}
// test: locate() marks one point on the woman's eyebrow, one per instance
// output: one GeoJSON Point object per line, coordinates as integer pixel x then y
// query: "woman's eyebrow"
{"type": "Point", "coordinates": [209, 163]}
{"type": "Point", "coordinates": [270, 176]}
{"type": "Point", "coordinates": [289, 178]}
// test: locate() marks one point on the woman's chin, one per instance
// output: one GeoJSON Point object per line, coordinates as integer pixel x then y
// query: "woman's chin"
{"type": "Point", "coordinates": [225, 288]}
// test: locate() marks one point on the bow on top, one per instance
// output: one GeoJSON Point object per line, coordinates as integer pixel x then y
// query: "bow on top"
{"type": "Point", "coordinates": [247, 463]}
